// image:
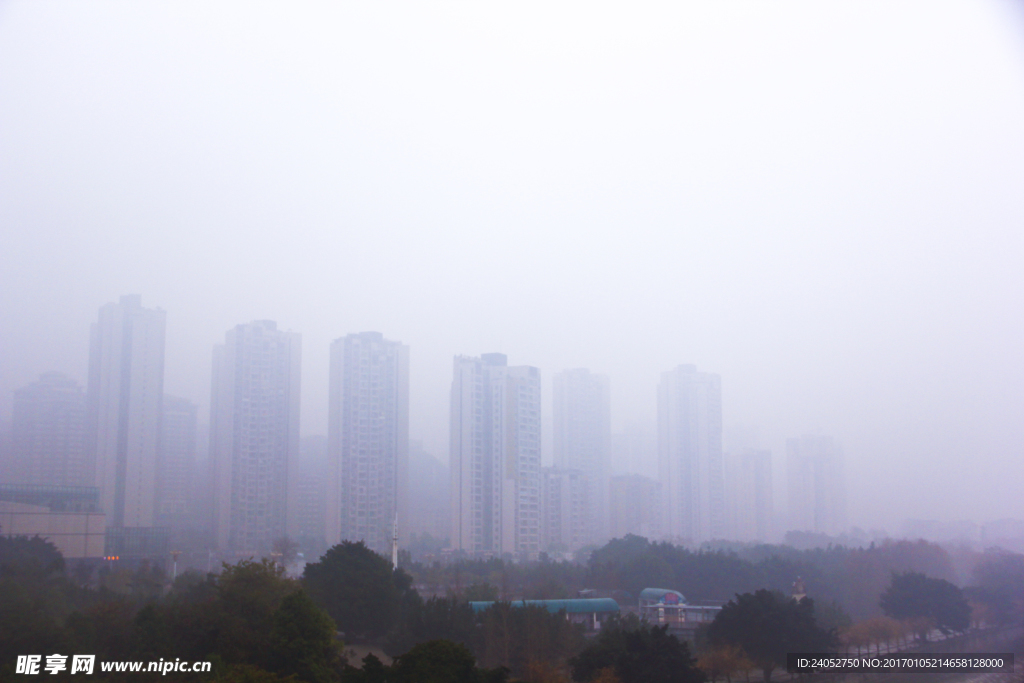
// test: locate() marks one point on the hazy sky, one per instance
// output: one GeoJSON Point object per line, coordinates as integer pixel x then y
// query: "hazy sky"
{"type": "Point", "coordinates": [822, 202]}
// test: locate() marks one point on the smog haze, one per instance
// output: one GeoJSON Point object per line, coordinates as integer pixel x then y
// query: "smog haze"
{"type": "Point", "coordinates": [821, 203]}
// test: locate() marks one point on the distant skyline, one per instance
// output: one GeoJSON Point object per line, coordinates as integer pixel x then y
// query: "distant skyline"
{"type": "Point", "coordinates": [821, 204]}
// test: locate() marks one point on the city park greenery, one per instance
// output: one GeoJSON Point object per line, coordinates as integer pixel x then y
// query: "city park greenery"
{"type": "Point", "coordinates": [256, 624]}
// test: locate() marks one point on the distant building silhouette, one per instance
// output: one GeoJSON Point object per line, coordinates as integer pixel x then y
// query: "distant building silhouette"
{"type": "Point", "coordinates": [6, 451]}
{"type": "Point", "coordinates": [635, 506]}
{"type": "Point", "coordinates": [311, 506]}
{"type": "Point", "coordinates": [495, 457]}
{"type": "Point", "coordinates": [48, 434]}
{"type": "Point", "coordinates": [582, 418]}
{"type": "Point", "coordinates": [429, 498]}
{"type": "Point", "coordinates": [635, 450]}
{"type": "Point", "coordinates": [368, 440]}
{"type": "Point", "coordinates": [176, 498]}
{"type": "Point", "coordinates": [817, 491]}
{"type": "Point", "coordinates": [254, 436]}
{"type": "Point", "coordinates": [125, 406]}
{"type": "Point", "coordinates": [203, 533]}
{"type": "Point", "coordinates": [565, 510]}
{"type": "Point", "coordinates": [749, 495]}
{"type": "Point", "coordinates": [690, 454]}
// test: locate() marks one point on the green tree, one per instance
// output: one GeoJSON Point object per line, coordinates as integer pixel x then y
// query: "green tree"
{"type": "Point", "coordinates": [481, 592]}
{"type": "Point", "coordinates": [21, 556]}
{"type": "Point", "coordinates": [831, 616]}
{"type": "Point", "coordinates": [637, 653]}
{"type": "Point", "coordinates": [724, 662]}
{"type": "Point", "coordinates": [25, 627]}
{"type": "Point", "coordinates": [434, 619]}
{"type": "Point", "coordinates": [36, 598]}
{"type": "Point", "coordinates": [999, 586]}
{"type": "Point", "coordinates": [303, 641]}
{"type": "Point", "coordinates": [247, 673]}
{"type": "Point", "coordinates": [912, 595]}
{"type": "Point", "coordinates": [619, 551]}
{"type": "Point", "coordinates": [515, 637]}
{"type": "Point", "coordinates": [103, 629]}
{"type": "Point", "coordinates": [284, 550]}
{"type": "Point", "coordinates": [436, 661]}
{"type": "Point", "coordinates": [359, 589]}
{"type": "Point", "coordinates": [249, 595]}
{"type": "Point", "coordinates": [372, 671]}
{"type": "Point", "coordinates": [768, 625]}
{"type": "Point", "coordinates": [150, 633]}
{"type": "Point", "coordinates": [646, 571]}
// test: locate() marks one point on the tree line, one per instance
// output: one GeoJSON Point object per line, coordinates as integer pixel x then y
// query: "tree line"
{"type": "Point", "coordinates": [254, 623]}
{"type": "Point", "coordinates": [850, 578]}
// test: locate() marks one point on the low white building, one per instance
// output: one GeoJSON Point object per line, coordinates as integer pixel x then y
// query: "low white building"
{"type": "Point", "coordinates": [661, 606]}
{"type": "Point", "coordinates": [67, 516]}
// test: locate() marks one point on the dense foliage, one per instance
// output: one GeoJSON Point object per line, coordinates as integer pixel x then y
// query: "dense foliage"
{"type": "Point", "coordinates": [926, 600]}
{"type": "Point", "coordinates": [250, 618]}
{"type": "Point", "coordinates": [435, 661]}
{"type": "Point", "coordinates": [256, 624]}
{"type": "Point", "coordinates": [767, 625]}
{"type": "Point", "coordinates": [637, 653]}
{"type": "Point", "coordinates": [998, 590]}
{"type": "Point", "coordinates": [359, 589]}
{"type": "Point", "coordinates": [850, 578]}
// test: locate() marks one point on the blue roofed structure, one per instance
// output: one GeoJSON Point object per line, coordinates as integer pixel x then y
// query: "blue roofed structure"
{"type": "Point", "coordinates": [588, 611]}
{"type": "Point", "coordinates": [571, 605]}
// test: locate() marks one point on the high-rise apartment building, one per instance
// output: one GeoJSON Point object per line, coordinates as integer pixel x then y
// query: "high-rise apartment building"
{"type": "Point", "coordinates": [495, 457]}
{"type": "Point", "coordinates": [817, 493]}
{"type": "Point", "coordinates": [565, 510]}
{"type": "Point", "coordinates": [48, 434]}
{"type": "Point", "coordinates": [204, 533]}
{"type": "Point", "coordinates": [690, 454]}
{"type": "Point", "coordinates": [635, 450]}
{"type": "Point", "coordinates": [635, 506]}
{"type": "Point", "coordinates": [176, 462]}
{"type": "Point", "coordinates": [124, 409]}
{"type": "Point", "coordinates": [7, 466]}
{"type": "Point", "coordinates": [368, 440]}
{"type": "Point", "coordinates": [748, 483]}
{"type": "Point", "coordinates": [582, 416]}
{"type": "Point", "coordinates": [311, 508]}
{"type": "Point", "coordinates": [254, 436]}
{"type": "Point", "coordinates": [429, 480]}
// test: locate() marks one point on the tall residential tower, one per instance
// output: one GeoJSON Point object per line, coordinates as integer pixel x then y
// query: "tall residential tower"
{"type": "Point", "coordinates": [48, 434]}
{"type": "Point", "coordinates": [748, 484]}
{"type": "Point", "coordinates": [176, 463]}
{"type": "Point", "coordinates": [582, 414]}
{"type": "Point", "coordinates": [368, 440]}
{"type": "Point", "coordinates": [690, 454]}
{"type": "Point", "coordinates": [125, 405]}
{"type": "Point", "coordinates": [495, 457]}
{"type": "Point", "coordinates": [254, 436]}
{"type": "Point", "coordinates": [817, 494]}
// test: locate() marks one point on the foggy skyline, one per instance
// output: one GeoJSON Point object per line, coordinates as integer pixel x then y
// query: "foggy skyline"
{"type": "Point", "coordinates": [821, 204]}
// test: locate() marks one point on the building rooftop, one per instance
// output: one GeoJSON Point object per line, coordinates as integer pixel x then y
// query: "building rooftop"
{"type": "Point", "coordinates": [571, 606]}
{"type": "Point", "coordinates": [56, 498]}
{"type": "Point", "coordinates": [662, 595]}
